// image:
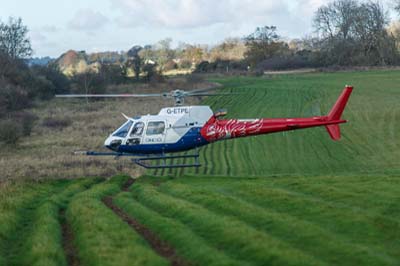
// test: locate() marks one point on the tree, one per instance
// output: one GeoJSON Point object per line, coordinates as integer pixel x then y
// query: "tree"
{"type": "Point", "coordinates": [164, 53]}
{"type": "Point", "coordinates": [232, 49]}
{"type": "Point", "coordinates": [14, 40]}
{"type": "Point", "coordinates": [354, 33]}
{"type": "Point", "coordinates": [135, 60]}
{"type": "Point", "coordinates": [263, 44]}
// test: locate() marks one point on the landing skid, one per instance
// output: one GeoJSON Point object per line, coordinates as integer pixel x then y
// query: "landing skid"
{"type": "Point", "coordinates": [164, 164]}
{"type": "Point", "coordinates": [144, 160]}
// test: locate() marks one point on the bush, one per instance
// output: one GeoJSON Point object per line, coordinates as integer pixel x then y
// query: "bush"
{"type": "Point", "coordinates": [56, 123]}
{"type": "Point", "coordinates": [57, 82]}
{"type": "Point", "coordinates": [27, 121]}
{"type": "Point", "coordinates": [10, 131]}
{"type": "Point", "coordinates": [12, 97]}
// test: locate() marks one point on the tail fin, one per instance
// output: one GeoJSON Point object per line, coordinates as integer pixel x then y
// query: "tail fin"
{"type": "Point", "coordinates": [337, 109]}
{"type": "Point", "coordinates": [336, 113]}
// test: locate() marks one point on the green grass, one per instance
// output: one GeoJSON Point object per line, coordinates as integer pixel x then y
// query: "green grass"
{"type": "Point", "coordinates": [278, 221]}
{"type": "Point", "coordinates": [193, 247]}
{"type": "Point", "coordinates": [18, 201]}
{"type": "Point", "coordinates": [101, 237]}
{"type": "Point", "coordinates": [370, 143]}
{"type": "Point", "coordinates": [43, 245]}
{"type": "Point", "coordinates": [238, 239]}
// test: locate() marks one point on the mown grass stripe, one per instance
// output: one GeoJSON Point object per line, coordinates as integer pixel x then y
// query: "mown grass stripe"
{"type": "Point", "coordinates": [193, 247]}
{"type": "Point", "coordinates": [351, 224]}
{"type": "Point", "coordinates": [161, 247]}
{"type": "Point", "coordinates": [23, 212]}
{"type": "Point", "coordinates": [331, 248]}
{"type": "Point", "coordinates": [43, 242]}
{"type": "Point", "coordinates": [101, 238]}
{"type": "Point", "coordinates": [233, 236]}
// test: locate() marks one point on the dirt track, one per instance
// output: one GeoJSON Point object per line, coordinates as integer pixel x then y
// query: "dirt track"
{"type": "Point", "coordinates": [159, 246]}
{"type": "Point", "coordinates": [71, 253]}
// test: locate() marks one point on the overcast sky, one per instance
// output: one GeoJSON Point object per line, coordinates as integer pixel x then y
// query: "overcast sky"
{"type": "Point", "coordinates": [114, 25]}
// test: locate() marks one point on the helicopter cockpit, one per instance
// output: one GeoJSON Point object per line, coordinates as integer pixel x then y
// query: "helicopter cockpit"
{"type": "Point", "coordinates": [132, 133]}
{"type": "Point", "coordinates": [115, 139]}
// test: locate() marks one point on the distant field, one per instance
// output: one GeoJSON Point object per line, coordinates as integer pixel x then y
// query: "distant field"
{"type": "Point", "coordinates": [370, 143]}
{"type": "Point", "coordinates": [294, 198]}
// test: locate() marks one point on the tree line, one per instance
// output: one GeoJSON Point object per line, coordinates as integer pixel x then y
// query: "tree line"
{"type": "Point", "coordinates": [346, 33]}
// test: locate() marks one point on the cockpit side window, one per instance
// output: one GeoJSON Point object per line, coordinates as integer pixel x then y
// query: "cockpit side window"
{"type": "Point", "coordinates": [124, 129]}
{"type": "Point", "coordinates": [137, 129]}
{"type": "Point", "coordinates": [155, 128]}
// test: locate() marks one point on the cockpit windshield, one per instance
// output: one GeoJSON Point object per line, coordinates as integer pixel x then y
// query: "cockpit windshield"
{"type": "Point", "coordinates": [123, 130]}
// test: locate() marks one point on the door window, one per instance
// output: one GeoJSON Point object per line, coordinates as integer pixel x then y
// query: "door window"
{"type": "Point", "coordinates": [155, 128]}
{"type": "Point", "coordinates": [137, 129]}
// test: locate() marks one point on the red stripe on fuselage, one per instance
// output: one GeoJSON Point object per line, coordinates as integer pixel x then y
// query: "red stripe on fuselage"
{"type": "Point", "coordinates": [216, 129]}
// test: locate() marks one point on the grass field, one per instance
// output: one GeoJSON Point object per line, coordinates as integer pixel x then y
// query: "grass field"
{"type": "Point", "coordinates": [370, 143]}
{"type": "Point", "coordinates": [207, 221]}
{"type": "Point", "coordinates": [293, 198]}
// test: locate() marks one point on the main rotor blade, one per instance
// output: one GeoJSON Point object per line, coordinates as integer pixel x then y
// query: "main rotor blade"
{"type": "Point", "coordinates": [108, 95]}
{"type": "Point", "coordinates": [212, 94]}
{"type": "Point", "coordinates": [203, 90]}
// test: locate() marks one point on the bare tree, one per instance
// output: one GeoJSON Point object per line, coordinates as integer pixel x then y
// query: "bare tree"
{"type": "Point", "coordinates": [14, 40]}
{"type": "Point", "coordinates": [354, 32]}
{"type": "Point", "coordinates": [263, 44]}
{"type": "Point", "coordinates": [135, 60]}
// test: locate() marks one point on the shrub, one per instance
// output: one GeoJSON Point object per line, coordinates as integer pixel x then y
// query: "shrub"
{"type": "Point", "coordinates": [27, 121]}
{"type": "Point", "coordinates": [13, 97]}
{"type": "Point", "coordinates": [10, 131]}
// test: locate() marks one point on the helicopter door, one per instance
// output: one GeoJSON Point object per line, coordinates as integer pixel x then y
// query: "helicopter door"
{"type": "Point", "coordinates": [155, 132]}
{"type": "Point", "coordinates": [136, 134]}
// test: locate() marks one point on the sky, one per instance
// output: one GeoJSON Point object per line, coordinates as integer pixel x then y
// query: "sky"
{"type": "Point", "coordinates": [56, 26]}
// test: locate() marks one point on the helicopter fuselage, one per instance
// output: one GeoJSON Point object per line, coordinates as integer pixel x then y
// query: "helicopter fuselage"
{"type": "Point", "coordinates": [183, 128]}
{"type": "Point", "coordinates": [174, 129]}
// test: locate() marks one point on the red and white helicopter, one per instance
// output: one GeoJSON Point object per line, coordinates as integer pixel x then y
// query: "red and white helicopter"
{"type": "Point", "coordinates": [182, 128]}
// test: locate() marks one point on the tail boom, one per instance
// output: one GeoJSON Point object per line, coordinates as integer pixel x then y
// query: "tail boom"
{"type": "Point", "coordinates": [216, 129]}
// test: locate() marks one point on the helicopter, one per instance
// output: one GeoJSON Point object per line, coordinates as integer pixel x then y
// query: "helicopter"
{"type": "Point", "coordinates": [181, 128]}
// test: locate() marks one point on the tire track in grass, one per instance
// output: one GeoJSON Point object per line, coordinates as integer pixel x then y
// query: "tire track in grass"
{"type": "Point", "coordinates": [71, 253]}
{"type": "Point", "coordinates": [101, 237]}
{"type": "Point", "coordinates": [67, 234]}
{"type": "Point", "coordinates": [237, 239]}
{"type": "Point", "coordinates": [159, 246]}
{"type": "Point", "coordinates": [191, 245]}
